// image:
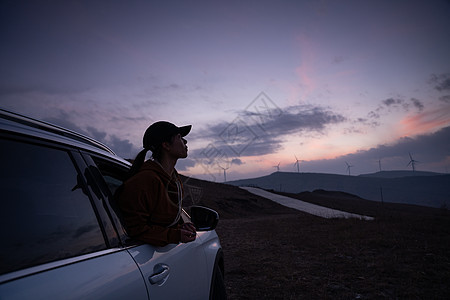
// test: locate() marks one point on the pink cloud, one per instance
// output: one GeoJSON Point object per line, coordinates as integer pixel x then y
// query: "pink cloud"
{"type": "Point", "coordinates": [426, 122]}
{"type": "Point", "coordinates": [306, 68]}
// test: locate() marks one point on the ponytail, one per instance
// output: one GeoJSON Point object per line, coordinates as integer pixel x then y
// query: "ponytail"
{"type": "Point", "coordinates": [137, 163]}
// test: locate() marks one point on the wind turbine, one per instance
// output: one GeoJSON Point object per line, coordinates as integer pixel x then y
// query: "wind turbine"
{"type": "Point", "coordinates": [412, 162]}
{"type": "Point", "coordinates": [224, 173]}
{"type": "Point", "coordinates": [379, 164]}
{"type": "Point", "coordinates": [278, 167]}
{"type": "Point", "coordinates": [296, 163]}
{"type": "Point", "coordinates": [348, 168]}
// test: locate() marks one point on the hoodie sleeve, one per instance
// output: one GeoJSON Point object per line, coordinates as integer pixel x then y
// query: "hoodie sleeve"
{"type": "Point", "coordinates": [140, 202]}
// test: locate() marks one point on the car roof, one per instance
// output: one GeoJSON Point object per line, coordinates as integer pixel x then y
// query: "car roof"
{"type": "Point", "coordinates": [17, 123]}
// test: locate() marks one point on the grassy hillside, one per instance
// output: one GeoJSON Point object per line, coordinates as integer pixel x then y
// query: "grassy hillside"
{"type": "Point", "coordinates": [272, 252]}
{"type": "Point", "coordinates": [228, 200]}
{"type": "Point", "coordinates": [433, 191]}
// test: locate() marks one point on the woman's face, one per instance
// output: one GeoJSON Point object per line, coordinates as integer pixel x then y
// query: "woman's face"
{"type": "Point", "coordinates": [178, 147]}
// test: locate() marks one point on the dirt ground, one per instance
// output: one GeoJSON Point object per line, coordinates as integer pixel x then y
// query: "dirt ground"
{"type": "Point", "coordinates": [273, 252]}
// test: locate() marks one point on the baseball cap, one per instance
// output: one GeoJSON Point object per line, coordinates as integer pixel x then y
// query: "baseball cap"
{"type": "Point", "coordinates": [162, 131]}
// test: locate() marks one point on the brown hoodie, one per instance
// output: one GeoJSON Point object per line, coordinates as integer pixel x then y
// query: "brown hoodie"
{"type": "Point", "coordinates": [150, 204]}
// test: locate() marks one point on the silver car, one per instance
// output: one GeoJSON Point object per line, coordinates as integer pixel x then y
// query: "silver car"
{"type": "Point", "coordinates": [61, 237]}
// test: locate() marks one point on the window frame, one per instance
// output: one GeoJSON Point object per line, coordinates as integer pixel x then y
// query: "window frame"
{"type": "Point", "coordinates": [90, 159]}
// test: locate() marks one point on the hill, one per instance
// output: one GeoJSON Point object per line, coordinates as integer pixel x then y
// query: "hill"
{"type": "Point", "coordinates": [399, 174]}
{"type": "Point", "coordinates": [274, 252]}
{"type": "Point", "coordinates": [228, 200]}
{"type": "Point", "coordinates": [432, 191]}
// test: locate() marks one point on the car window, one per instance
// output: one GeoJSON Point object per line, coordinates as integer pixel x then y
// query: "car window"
{"type": "Point", "coordinates": [46, 214]}
{"type": "Point", "coordinates": [113, 175]}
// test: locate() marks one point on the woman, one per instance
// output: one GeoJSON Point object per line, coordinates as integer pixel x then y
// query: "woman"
{"type": "Point", "coordinates": [150, 200]}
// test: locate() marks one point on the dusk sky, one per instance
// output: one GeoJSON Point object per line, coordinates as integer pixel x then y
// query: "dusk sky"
{"type": "Point", "coordinates": [262, 82]}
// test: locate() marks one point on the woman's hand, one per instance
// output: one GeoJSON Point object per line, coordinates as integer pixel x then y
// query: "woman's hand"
{"type": "Point", "coordinates": [188, 232]}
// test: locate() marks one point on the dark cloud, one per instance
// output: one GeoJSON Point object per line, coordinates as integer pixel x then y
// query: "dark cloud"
{"type": "Point", "coordinates": [221, 153]}
{"type": "Point", "coordinates": [121, 147]}
{"type": "Point", "coordinates": [441, 82]}
{"type": "Point", "coordinates": [417, 103]}
{"type": "Point", "coordinates": [184, 164]}
{"type": "Point", "coordinates": [63, 121]}
{"type": "Point", "coordinates": [258, 133]}
{"type": "Point", "coordinates": [237, 161]}
{"type": "Point", "coordinates": [174, 86]}
{"type": "Point", "coordinates": [445, 98]}
{"type": "Point", "coordinates": [364, 121]}
{"type": "Point", "coordinates": [429, 150]}
{"type": "Point", "coordinates": [293, 119]}
{"type": "Point", "coordinates": [96, 134]}
{"type": "Point", "coordinates": [393, 104]}
{"type": "Point", "coordinates": [433, 147]}
{"type": "Point", "coordinates": [265, 144]}
{"type": "Point", "coordinates": [392, 101]}
{"type": "Point", "coordinates": [374, 114]}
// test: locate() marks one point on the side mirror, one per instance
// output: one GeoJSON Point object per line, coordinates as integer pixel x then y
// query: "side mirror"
{"type": "Point", "coordinates": [204, 218]}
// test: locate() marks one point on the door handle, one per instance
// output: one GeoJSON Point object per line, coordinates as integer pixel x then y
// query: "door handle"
{"type": "Point", "coordinates": [160, 275]}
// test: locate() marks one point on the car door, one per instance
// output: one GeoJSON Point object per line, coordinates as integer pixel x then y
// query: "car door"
{"type": "Point", "coordinates": [53, 245]}
{"type": "Point", "coordinates": [176, 271]}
